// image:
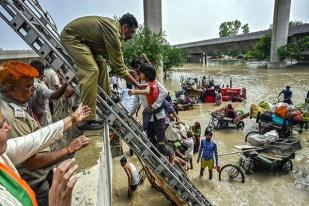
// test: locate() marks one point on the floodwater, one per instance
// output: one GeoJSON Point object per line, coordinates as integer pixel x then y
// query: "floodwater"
{"type": "Point", "coordinates": [260, 189]}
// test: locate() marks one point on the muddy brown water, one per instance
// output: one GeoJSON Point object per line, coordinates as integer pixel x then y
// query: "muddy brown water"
{"type": "Point", "coordinates": [261, 189]}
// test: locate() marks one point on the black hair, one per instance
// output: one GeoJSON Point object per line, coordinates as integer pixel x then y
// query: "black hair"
{"type": "Point", "coordinates": [208, 131]}
{"type": "Point", "coordinates": [123, 160]}
{"type": "Point", "coordinates": [38, 65]}
{"type": "Point", "coordinates": [288, 87]}
{"type": "Point", "coordinates": [129, 20]}
{"type": "Point", "coordinates": [136, 62]}
{"type": "Point", "coordinates": [149, 71]}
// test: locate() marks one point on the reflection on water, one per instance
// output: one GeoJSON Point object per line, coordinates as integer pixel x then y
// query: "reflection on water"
{"type": "Point", "coordinates": [262, 188]}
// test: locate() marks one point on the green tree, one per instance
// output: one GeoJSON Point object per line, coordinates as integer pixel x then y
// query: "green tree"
{"type": "Point", "coordinates": [172, 57]}
{"type": "Point", "coordinates": [261, 49]}
{"type": "Point", "coordinates": [245, 29]}
{"type": "Point", "coordinates": [292, 50]}
{"type": "Point", "coordinates": [157, 49]}
{"type": "Point", "coordinates": [229, 28]}
{"type": "Point", "coordinates": [295, 23]}
{"type": "Point", "coordinates": [144, 41]}
{"type": "Point", "coordinates": [291, 24]}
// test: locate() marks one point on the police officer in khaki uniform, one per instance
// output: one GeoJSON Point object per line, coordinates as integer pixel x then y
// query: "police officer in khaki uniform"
{"type": "Point", "coordinates": [91, 41]}
{"type": "Point", "coordinates": [16, 88]}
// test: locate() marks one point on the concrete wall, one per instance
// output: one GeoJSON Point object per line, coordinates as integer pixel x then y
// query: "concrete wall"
{"type": "Point", "coordinates": [93, 172]}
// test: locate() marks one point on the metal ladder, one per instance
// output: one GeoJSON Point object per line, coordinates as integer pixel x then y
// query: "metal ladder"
{"type": "Point", "coordinates": [37, 29]}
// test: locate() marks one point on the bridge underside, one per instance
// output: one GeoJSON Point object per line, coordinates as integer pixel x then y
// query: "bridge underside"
{"type": "Point", "coordinates": [226, 47]}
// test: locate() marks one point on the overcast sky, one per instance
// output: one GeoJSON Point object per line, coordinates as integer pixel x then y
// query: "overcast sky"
{"type": "Point", "coordinates": [183, 20]}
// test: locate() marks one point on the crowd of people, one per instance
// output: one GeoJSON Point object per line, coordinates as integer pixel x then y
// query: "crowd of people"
{"type": "Point", "coordinates": [34, 104]}
{"type": "Point", "coordinates": [37, 109]}
{"type": "Point", "coordinates": [26, 160]}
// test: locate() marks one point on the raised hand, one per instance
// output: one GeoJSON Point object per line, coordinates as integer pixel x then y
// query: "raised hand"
{"type": "Point", "coordinates": [60, 194]}
{"type": "Point", "coordinates": [81, 113]}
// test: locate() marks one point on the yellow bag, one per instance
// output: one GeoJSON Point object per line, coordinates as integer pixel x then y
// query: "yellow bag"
{"type": "Point", "coordinates": [255, 110]}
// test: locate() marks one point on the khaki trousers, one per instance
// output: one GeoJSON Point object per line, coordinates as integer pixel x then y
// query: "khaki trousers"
{"type": "Point", "coordinates": [91, 69]}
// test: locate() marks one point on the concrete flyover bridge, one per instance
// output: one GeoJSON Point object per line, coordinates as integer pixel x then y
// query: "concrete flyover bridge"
{"type": "Point", "coordinates": [242, 42]}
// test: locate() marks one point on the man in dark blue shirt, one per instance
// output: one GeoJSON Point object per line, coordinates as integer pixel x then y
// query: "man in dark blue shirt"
{"type": "Point", "coordinates": [208, 149]}
{"type": "Point", "coordinates": [287, 95]}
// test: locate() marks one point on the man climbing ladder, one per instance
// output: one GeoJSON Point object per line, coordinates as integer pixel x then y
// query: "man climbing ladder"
{"type": "Point", "coordinates": [90, 41]}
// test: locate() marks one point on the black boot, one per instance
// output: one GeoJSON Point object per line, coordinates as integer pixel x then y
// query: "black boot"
{"type": "Point", "coordinates": [91, 125]}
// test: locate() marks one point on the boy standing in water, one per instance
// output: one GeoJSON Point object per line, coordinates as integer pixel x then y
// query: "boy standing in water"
{"type": "Point", "coordinates": [132, 173]}
{"type": "Point", "coordinates": [208, 149]}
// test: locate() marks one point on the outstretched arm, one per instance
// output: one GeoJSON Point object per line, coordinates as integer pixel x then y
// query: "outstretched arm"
{"type": "Point", "coordinates": [280, 94]}
{"type": "Point", "coordinates": [145, 91]}
{"type": "Point", "coordinates": [59, 92]}
{"type": "Point", "coordinates": [25, 148]}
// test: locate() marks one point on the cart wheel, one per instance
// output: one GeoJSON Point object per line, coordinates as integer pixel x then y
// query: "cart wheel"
{"type": "Point", "coordinates": [231, 173]}
{"type": "Point", "coordinates": [214, 124]}
{"type": "Point", "coordinates": [287, 167]}
{"type": "Point", "coordinates": [142, 176]}
{"type": "Point", "coordinates": [250, 133]}
{"type": "Point", "coordinates": [240, 124]}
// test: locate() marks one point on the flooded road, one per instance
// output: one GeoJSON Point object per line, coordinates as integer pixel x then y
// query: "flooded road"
{"type": "Point", "coordinates": [260, 189]}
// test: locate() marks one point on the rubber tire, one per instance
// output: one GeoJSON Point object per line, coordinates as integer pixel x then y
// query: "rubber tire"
{"type": "Point", "coordinates": [254, 132]}
{"type": "Point", "coordinates": [240, 124]}
{"type": "Point", "coordinates": [288, 169]}
{"type": "Point", "coordinates": [238, 172]}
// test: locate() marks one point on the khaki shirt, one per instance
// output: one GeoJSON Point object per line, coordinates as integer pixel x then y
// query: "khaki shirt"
{"type": "Point", "coordinates": [20, 121]}
{"type": "Point", "coordinates": [21, 124]}
{"type": "Point", "coordinates": [103, 36]}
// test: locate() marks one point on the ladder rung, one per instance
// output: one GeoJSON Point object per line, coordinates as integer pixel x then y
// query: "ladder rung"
{"type": "Point", "coordinates": [33, 29]}
{"type": "Point", "coordinates": [17, 21]}
{"type": "Point", "coordinates": [57, 63]}
{"type": "Point", "coordinates": [31, 36]}
{"type": "Point", "coordinates": [173, 182]}
{"type": "Point", "coordinates": [128, 137]}
{"type": "Point", "coordinates": [159, 169]}
{"type": "Point", "coordinates": [44, 50]}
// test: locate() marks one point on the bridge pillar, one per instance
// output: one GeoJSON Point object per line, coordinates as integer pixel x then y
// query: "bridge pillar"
{"type": "Point", "coordinates": [204, 59]}
{"type": "Point", "coordinates": [153, 21]}
{"type": "Point", "coordinates": [153, 15]}
{"type": "Point", "coordinates": [280, 31]}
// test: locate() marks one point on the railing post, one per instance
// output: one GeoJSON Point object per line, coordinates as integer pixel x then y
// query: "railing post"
{"type": "Point", "coordinates": [104, 196]}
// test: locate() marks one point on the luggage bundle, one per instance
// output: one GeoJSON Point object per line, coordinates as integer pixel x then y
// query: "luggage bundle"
{"type": "Point", "coordinates": [280, 114]}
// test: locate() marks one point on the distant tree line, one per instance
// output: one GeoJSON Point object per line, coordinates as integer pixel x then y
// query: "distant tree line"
{"type": "Point", "coordinates": [261, 51]}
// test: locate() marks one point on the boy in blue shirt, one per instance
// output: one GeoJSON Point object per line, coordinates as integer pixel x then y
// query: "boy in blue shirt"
{"type": "Point", "coordinates": [208, 149]}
